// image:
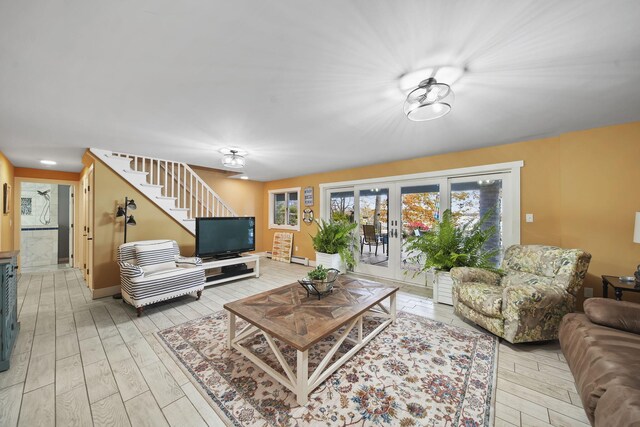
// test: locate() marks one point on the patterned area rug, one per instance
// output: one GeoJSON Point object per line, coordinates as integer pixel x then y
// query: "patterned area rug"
{"type": "Point", "coordinates": [416, 372]}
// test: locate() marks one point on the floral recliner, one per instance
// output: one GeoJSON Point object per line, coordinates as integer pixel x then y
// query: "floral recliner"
{"type": "Point", "coordinates": [538, 287]}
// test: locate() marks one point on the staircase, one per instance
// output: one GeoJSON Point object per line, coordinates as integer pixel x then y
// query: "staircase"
{"type": "Point", "coordinates": [173, 186]}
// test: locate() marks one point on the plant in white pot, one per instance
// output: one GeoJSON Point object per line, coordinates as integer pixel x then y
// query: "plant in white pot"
{"type": "Point", "coordinates": [447, 246]}
{"type": "Point", "coordinates": [334, 244]}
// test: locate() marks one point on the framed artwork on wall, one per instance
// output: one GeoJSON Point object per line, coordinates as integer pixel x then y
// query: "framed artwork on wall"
{"type": "Point", "coordinates": [308, 196]}
{"type": "Point", "coordinates": [6, 198]}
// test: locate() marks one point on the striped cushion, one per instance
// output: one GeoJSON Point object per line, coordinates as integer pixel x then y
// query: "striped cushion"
{"type": "Point", "coordinates": [155, 256]}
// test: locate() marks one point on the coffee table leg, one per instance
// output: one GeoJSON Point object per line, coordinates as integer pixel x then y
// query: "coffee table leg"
{"type": "Point", "coordinates": [392, 306]}
{"type": "Point", "coordinates": [302, 376]}
{"type": "Point", "coordinates": [231, 328]}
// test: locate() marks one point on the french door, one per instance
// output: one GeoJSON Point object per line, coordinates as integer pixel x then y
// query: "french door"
{"type": "Point", "coordinates": [389, 212]}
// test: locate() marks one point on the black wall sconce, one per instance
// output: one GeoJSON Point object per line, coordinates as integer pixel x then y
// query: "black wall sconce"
{"type": "Point", "coordinates": [124, 211]}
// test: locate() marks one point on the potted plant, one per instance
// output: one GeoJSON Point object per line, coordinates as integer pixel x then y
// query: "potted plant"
{"type": "Point", "coordinates": [323, 278]}
{"type": "Point", "coordinates": [334, 243]}
{"type": "Point", "coordinates": [448, 245]}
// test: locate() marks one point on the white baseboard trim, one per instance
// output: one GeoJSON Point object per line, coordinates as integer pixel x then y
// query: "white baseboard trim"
{"type": "Point", "coordinates": [105, 292]}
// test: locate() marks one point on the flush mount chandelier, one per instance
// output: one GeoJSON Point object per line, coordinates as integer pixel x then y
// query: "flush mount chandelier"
{"type": "Point", "coordinates": [429, 97]}
{"type": "Point", "coordinates": [428, 101]}
{"type": "Point", "coordinates": [233, 158]}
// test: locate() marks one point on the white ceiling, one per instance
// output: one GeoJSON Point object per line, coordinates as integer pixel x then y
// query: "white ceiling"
{"type": "Point", "coordinates": [304, 86]}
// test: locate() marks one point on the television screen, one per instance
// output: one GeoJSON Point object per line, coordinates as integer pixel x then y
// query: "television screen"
{"type": "Point", "coordinates": [225, 235]}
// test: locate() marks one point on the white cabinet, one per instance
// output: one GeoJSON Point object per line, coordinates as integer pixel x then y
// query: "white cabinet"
{"type": "Point", "coordinates": [231, 269]}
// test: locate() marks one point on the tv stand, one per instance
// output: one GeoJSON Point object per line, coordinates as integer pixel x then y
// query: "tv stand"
{"type": "Point", "coordinates": [232, 268]}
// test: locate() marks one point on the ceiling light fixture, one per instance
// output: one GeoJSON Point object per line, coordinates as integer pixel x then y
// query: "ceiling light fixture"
{"type": "Point", "coordinates": [244, 177]}
{"type": "Point", "coordinates": [233, 158]}
{"type": "Point", "coordinates": [48, 162]}
{"type": "Point", "coordinates": [447, 74]}
{"type": "Point", "coordinates": [428, 101]}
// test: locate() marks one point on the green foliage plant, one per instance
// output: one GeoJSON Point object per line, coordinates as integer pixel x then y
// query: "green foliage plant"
{"type": "Point", "coordinates": [318, 273]}
{"type": "Point", "coordinates": [447, 246]}
{"type": "Point", "coordinates": [337, 237]}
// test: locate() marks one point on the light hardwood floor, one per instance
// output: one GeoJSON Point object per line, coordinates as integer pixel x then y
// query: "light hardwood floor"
{"type": "Point", "coordinates": [78, 361]}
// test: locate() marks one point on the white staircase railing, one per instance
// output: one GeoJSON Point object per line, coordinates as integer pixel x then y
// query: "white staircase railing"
{"type": "Point", "coordinates": [182, 190]}
{"type": "Point", "coordinates": [181, 182]}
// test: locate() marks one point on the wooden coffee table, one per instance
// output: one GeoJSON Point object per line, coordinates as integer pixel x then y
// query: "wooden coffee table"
{"type": "Point", "coordinates": [287, 314]}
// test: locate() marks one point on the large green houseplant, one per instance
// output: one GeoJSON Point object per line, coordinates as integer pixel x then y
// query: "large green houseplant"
{"type": "Point", "coordinates": [334, 244]}
{"type": "Point", "coordinates": [449, 245]}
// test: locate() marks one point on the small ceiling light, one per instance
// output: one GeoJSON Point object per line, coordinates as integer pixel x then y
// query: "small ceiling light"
{"type": "Point", "coordinates": [428, 101]}
{"type": "Point", "coordinates": [244, 177]}
{"type": "Point", "coordinates": [48, 162]}
{"type": "Point", "coordinates": [233, 158]}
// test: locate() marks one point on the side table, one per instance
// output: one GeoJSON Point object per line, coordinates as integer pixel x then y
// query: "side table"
{"type": "Point", "coordinates": [618, 286]}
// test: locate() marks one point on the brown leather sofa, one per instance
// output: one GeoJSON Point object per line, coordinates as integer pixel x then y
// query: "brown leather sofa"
{"type": "Point", "coordinates": [602, 347]}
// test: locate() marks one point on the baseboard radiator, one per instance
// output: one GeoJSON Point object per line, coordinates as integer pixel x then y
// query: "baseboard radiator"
{"type": "Point", "coordinates": [295, 259]}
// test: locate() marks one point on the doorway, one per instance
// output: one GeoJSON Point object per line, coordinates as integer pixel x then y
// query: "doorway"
{"type": "Point", "coordinates": [46, 226]}
{"type": "Point", "coordinates": [391, 211]}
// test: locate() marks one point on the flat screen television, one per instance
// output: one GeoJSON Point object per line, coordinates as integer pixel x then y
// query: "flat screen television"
{"type": "Point", "coordinates": [223, 237]}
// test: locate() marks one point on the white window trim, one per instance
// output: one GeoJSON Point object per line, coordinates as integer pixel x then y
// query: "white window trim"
{"type": "Point", "coordinates": [278, 226]}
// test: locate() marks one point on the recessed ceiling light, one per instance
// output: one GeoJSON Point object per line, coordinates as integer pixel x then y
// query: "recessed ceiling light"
{"type": "Point", "coordinates": [244, 177]}
{"type": "Point", "coordinates": [48, 162]}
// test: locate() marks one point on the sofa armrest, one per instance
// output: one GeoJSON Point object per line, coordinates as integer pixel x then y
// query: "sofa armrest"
{"type": "Point", "coordinates": [621, 315]}
{"type": "Point", "coordinates": [469, 274]}
{"type": "Point", "coordinates": [533, 312]}
{"type": "Point", "coordinates": [188, 262]}
{"type": "Point", "coordinates": [130, 271]}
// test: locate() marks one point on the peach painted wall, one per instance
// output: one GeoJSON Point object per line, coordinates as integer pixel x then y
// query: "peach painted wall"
{"type": "Point", "coordinates": [582, 187]}
{"type": "Point", "coordinates": [46, 174]}
{"type": "Point", "coordinates": [6, 220]}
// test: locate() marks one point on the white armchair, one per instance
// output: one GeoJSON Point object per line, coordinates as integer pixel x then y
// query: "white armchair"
{"type": "Point", "coordinates": [153, 271]}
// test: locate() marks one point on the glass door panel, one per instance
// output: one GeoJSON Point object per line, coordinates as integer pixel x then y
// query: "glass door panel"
{"type": "Point", "coordinates": [420, 211]}
{"type": "Point", "coordinates": [342, 205]}
{"type": "Point", "coordinates": [373, 216]}
{"type": "Point", "coordinates": [475, 197]}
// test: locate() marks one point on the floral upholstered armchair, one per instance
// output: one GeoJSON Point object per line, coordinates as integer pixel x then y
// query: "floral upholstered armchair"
{"type": "Point", "coordinates": [537, 287]}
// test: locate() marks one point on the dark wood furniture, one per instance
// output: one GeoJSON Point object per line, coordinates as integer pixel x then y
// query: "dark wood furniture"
{"type": "Point", "coordinates": [300, 321]}
{"type": "Point", "coordinates": [9, 325]}
{"type": "Point", "coordinates": [618, 285]}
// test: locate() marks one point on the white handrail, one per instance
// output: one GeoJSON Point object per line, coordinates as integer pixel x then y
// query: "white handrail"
{"type": "Point", "coordinates": [192, 192]}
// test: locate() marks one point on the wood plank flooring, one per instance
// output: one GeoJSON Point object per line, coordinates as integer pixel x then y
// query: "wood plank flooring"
{"type": "Point", "coordinates": [80, 362]}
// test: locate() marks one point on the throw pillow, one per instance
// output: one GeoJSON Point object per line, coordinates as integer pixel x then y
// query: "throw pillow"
{"type": "Point", "coordinates": [154, 257]}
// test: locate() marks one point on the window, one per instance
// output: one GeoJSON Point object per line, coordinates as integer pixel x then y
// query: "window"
{"type": "Point", "coordinates": [284, 206]}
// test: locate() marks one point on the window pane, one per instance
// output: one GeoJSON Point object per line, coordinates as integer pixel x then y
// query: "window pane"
{"type": "Point", "coordinates": [293, 209]}
{"type": "Point", "coordinates": [342, 206]}
{"type": "Point", "coordinates": [420, 212]}
{"type": "Point", "coordinates": [472, 200]}
{"type": "Point", "coordinates": [279, 208]}
{"type": "Point", "coordinates": [374, 223]}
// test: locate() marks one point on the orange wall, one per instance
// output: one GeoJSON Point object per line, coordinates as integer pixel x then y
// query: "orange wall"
{"type": "Point", "coordinates": [152, 223]}
{"type": "Point", "coordinates": [243, 196]}
{"type": "Point", "coordinates": [583, 188]}
{"type": "Point", "coordinates": [7, 172]}
{"type": "Point", "coordinates": [46, 174]}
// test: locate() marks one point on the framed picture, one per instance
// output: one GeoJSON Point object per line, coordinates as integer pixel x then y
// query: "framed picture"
{"type": "Point", "coordinates": [6, 198]}
{"type": "Point", "coordinates": [308, 196]}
